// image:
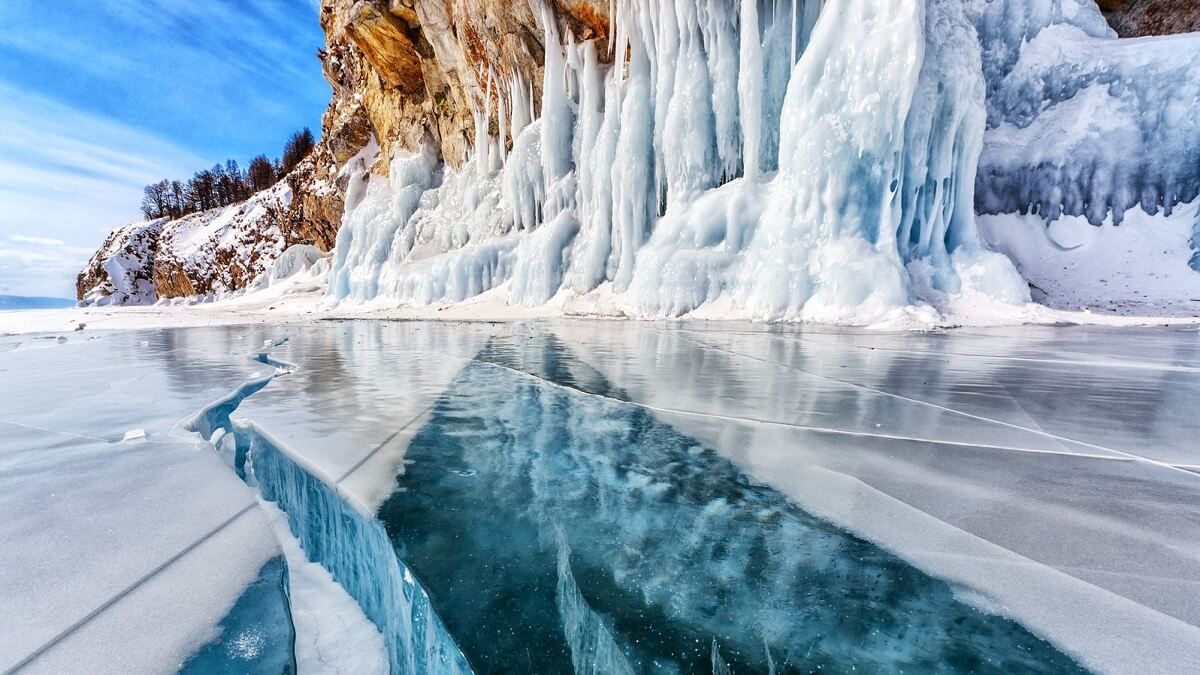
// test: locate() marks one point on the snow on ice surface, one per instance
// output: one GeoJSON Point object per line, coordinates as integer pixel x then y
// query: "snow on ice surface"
{"type": "Point", "coordinates": [1142, 266]}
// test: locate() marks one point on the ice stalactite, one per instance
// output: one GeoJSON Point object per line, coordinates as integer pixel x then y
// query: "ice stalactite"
{"type": "Point", "coordinates": [750, 86]}
{"type": "Point", "coordinates": [745, 155]}
{"type": "Point", "coordinates": [898, 129]}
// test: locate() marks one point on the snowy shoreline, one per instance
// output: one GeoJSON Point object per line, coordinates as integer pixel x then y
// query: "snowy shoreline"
{"type": "Point", "coordinates": [252, 309]}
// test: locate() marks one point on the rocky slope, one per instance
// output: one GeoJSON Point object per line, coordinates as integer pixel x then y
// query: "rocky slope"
{"type": "Point", "coordinates": [222, 249]}
{"type": "Point", "coordinates": [1138, 18]}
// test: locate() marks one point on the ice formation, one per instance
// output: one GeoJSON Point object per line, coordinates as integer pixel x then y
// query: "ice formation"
{"type": "Point", "coordinates": [682, 176]}
{"type": "Point", "coordinates": [353, 547]}
{"type": "Point", "coordinates": [785, 160]}
{"type": "Point", "coordinates": [1081, 123]}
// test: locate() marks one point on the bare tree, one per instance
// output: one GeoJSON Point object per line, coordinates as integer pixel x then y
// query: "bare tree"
{"type": "Point", "coordinates": [260, 175]}
{"type": "Point", "coordinates": [298, 146]}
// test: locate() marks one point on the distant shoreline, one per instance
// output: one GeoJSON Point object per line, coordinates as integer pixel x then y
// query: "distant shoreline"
{"type": "Point", "coordinates": [33, 302]}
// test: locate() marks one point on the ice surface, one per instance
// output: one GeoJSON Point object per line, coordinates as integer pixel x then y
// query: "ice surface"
{"type": "Point", "coordinates": [644, 545]}
{"type": "Point", "coordinates": [1013, 494]}
{"type": "Point", "coordinates": [108, 542]}
{"type": "Point", "coordinates": [364, 389]}
{"type": "Point", "coordinates": [656, 492]}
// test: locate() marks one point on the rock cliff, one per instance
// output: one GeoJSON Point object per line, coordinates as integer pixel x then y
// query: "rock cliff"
{"type": "Point", "coordinates": [401, 70]}
{"type": "Point", "coordinates": [1139, 18]}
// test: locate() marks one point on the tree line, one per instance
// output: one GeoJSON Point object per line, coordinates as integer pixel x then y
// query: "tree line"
{"type": "Point", "coordinates": [224, 184]}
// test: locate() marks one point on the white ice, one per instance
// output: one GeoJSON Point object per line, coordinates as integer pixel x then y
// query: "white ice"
{"type": "Point", "coordinates": [109, 542]}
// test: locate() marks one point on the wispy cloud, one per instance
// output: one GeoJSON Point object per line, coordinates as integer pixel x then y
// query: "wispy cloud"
{"type": "Point", "coordinates": [98, 99]}
{"type": "Point", "coordinates": [44, 241]}
{"type": "Point", "coordinates": [239, 73]}
{"type": "Point", "coordinates": [66, 178]}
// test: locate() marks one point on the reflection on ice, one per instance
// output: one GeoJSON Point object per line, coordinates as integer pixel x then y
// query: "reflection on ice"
{"type": "Point", "coordinates": [617, 497]}
{"type": "Point", "coordinates": [588, 532]}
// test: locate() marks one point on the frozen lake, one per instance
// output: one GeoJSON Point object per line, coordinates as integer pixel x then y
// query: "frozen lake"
{"type": "Point", "coordinates": [593, 496]}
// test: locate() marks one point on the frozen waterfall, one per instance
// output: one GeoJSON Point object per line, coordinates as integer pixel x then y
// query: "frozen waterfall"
{"type": "Point", "coordinates": [778, 160]}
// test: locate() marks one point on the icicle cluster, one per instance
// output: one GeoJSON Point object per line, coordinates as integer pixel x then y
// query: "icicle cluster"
{"type": "Point", "coordinates": [774, 159]}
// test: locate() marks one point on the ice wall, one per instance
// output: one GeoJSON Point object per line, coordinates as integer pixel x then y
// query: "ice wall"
{"type": "Point", "coordinates": [353, 547]}
{"type": "Point", "coordinates": [783, 160]}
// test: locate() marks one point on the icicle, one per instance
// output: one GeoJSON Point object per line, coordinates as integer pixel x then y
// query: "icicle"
{"type": "Point", "coordinates": [557, 119]}
{"type": "Point", "coordinates": [633, 173]}
{"type": "Point", "coordinates": [795, 9]}
{"type": "Point", "coordinates": [750, 85]}
{"type": "Point", "coordinates": [501, 121]}
{"type": "Point", "coordinates": [519, 102]}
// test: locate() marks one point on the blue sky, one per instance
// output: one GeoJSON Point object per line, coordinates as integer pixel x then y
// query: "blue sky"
{"type": "Point", "coordinates": [99, 98]}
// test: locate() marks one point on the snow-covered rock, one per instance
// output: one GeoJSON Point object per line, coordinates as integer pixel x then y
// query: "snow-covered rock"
{"type": "Point", "coordinates": [222, 250]}
{"type": "Point", "coordinates": [122, 271]}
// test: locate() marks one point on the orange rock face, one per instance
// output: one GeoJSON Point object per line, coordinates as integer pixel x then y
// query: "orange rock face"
{"type": "Point", "coordinates": [1139, 18]}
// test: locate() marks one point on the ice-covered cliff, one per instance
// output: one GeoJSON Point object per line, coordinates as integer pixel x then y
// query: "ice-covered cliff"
{"type": "Point", "coordinates": [777, 159]}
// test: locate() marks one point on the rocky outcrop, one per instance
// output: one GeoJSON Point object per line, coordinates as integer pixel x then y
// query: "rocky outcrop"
{"type": "Point", "coordinates": [417, 65]}
{"type": "Point", "coordinates": [220, 250]}
{"type": "Point", "coordinates": [1139, 18]}
{"type": "Point", "coordinates": [122, 271]}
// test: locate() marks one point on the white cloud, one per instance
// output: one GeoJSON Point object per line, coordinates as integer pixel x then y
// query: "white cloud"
{"type": "Point", "coordinates": [67, 178]}
{"type": "Point", "coordinates": [44, 241]}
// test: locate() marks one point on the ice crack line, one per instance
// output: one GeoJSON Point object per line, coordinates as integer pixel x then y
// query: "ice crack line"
{"type": "Point", "coordinates": [382, 444]}
{"type": "Point", "coordinates": [808, 427]}
{"type": "Point", "coordinates": [36, 654]}
{"type": "Point", "coordinates": [854, 385]}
